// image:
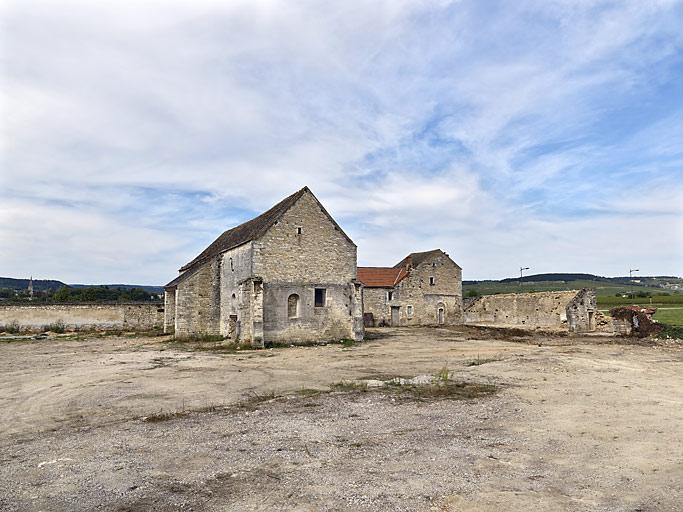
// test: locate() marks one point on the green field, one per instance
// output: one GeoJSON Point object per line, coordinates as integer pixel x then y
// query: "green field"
{"type": "Point", "coordinates": [669, 307]}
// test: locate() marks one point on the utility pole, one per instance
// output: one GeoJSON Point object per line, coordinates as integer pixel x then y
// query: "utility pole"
{"type": "Point", "coordinates": [521, 274]}
{"type": "Point", "coordinates": [630, 278]}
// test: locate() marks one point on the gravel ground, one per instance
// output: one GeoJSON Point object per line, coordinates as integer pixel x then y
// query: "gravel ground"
{"type": "Point", "coordinates": [575, 425]}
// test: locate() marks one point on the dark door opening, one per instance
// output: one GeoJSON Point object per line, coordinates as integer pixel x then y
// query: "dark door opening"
{"type": "Point", "coordinates": [395, 317]}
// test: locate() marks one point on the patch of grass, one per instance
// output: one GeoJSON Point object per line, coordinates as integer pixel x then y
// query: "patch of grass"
{"type": "Point", "coordinates": [57, 327]}
{"type": "Point", "coordinates": [450, 390]}
{"type": "Point", "coordinates": [443, 388]}
{"type": "Point", "coordinates": [347, 342]}
{"type": "Point", "coordinates": [199, 338]}
{"type": "Point", "coordinates": [256, 399]}
{"type": "Point", "coordinates": [480, 360]}
{"type": "Point", "coordinates": [347, 386]}
{"type": "Point", "coordinates": [164, 416]}
{"type": "Point", "coordinates": [670, 331]}
{"type": "Point", "coordinates": [671, 316]}
{"type": "Point", "coordinates": [13, 327]}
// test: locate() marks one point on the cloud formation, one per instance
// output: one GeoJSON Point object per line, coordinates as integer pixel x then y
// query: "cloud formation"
{"type": "Point", "coordinates": [543, 134]}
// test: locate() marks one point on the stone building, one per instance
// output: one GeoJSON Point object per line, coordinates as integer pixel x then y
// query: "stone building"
{"type": "Point", "coordinates": [424, 288]}
{"type": "Point", "coordinates": [288, 275]}
{"type": "Point", "coordinates": [572, 310]}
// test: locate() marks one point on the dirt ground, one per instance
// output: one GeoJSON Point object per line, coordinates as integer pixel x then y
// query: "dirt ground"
{"type": "Point", "coordinates": [577, 424]}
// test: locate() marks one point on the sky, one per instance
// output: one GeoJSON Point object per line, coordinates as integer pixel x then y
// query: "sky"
{"type": "Point", "coordinates": [545, 134]}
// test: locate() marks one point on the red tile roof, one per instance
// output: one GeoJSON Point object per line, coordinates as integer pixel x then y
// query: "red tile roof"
{"type": "Point", "coordinates": [381, 277]}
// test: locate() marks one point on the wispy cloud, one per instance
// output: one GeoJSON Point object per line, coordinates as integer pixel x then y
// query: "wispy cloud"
{"type": "Point", "coordinates": [536, 133]}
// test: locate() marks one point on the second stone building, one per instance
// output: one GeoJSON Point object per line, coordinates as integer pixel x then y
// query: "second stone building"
{"type": "Point", "coordinates": [424, 288]}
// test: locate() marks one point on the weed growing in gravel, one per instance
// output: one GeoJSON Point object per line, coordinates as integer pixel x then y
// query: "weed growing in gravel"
{"type": "Point", "coordinates": [349, 386]}
{"type": "Point", "coordinates": [479, 361]}
{"type": "Point", "coordinates": [442, 376]}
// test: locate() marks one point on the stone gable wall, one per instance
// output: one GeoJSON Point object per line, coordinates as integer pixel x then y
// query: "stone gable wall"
{"type": "Point", "coordinates": [198, 301]}
{"type": "Point", "coordinates": [320, 257]}
{"type": "Point", "coordinates": [133, 316]}
{"type": "Point", "coordinates": [320, 254]}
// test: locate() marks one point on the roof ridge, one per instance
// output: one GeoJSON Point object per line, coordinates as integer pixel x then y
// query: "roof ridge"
{"type": "Point", "coordinates": [247, 231]}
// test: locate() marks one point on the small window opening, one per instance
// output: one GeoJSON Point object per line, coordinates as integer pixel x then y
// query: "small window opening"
{"type": "Point", "coordinates": [390, 295]}
{"type": "Point", "coordinates": [319, 297]}
{"type": "Point", "coordinates": [232, 267]}
{"type": "Point", "coordinates": [299, 230]}
{"type": "Point", "coordinates": [431, 281]}
{"type": "Point", "coordinates": [293, 306]}
{"type": "Point", "coordinates": [234, 296]}
{"type": "Point", "coordinates": [409, 311]}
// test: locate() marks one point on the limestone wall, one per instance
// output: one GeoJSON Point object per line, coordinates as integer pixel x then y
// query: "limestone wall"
{"type": "Point", "coordinates": [320, 254]}
{"type": "Point", "coordinates": [236, 268]}
{"type": "Point", "coordinates": [198, 301]}
{"type": "Point", "coordinates": [566, 310]}
{"type": "Point", "coordinates": [132, 316]}
{"type": "Point", "coordinates": [426, 298]}
{"type": "Point", "coordinates": [169, 310]}
{"type": "Point", "coordinates": [303, 251]}
{"type": "Point", "coordinates": [333, 321]}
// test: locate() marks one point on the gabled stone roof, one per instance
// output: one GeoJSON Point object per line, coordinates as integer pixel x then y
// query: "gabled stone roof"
{"type": "Point", "coordinates": [250, 230]}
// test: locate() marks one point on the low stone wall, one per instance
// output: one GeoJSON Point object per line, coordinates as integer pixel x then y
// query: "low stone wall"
{"type": "Point", "coordinates": [129, 316]}
{"type": "Point", "coordinates": [572, 310]}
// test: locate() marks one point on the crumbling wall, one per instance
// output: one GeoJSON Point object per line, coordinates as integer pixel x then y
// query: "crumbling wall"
{"type": "Point", "coordinates": [565, 310]}
{"type": "Point", "coordinates": [634, 321]}
{"type": "Point", "coordinates": [130, 316]}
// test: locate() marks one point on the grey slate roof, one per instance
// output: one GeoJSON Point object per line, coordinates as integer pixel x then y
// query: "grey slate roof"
{"type": "Point", "coordinates": [250, 230]}
{"type": "Point", "coordinates": [246, 232]}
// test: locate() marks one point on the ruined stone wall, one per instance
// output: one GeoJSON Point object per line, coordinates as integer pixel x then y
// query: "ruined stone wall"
{"type": "Point", "coordinates": [289, 261]}
{"type": "Point", "coordinates": [132, 316]}
{"type": "Point", "coordinates": [545, 310]}
{"type": "Point", "coordinates": [198, 301]}
{"type": "Point", "coordinates": [582, 311]}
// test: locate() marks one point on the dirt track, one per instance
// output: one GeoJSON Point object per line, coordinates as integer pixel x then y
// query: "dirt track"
{"type": "Point", "coordinates": [576, 425]}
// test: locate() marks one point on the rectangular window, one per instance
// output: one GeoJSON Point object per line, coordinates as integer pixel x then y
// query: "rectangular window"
{"type": "Point", "coordinates": [299, 230]}
{"type": "Point", "coordinates": [390, 295]}
{"type": "Point", "coordinates": [319, 297]}
{"type": "Point", "coordinates": [431, 281]}
{"type": "Point", "coordinates": [409, 311]}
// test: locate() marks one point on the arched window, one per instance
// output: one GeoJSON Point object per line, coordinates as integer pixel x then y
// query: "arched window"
{"type": "Point", "coordinates": [293, 306]}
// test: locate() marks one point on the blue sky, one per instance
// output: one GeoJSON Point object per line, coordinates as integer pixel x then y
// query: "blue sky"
{"type": "Point", "coordinates": [544, 134]}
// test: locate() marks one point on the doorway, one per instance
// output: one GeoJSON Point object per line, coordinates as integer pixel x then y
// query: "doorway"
{"type": "Point", "coordinates": [395, 318]}
{"type": "Point", "coordinates": [440, 315]}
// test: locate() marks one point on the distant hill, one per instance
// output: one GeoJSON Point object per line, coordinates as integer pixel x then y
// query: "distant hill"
{"type": "Point", "coordinates": [568, 281]}
{"type": "Point", "coordinates": [38, 284]}
{"type": "Point", "coordinates": [51, 284]}
{"type": "Point", "coordinates": [147, 288]}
